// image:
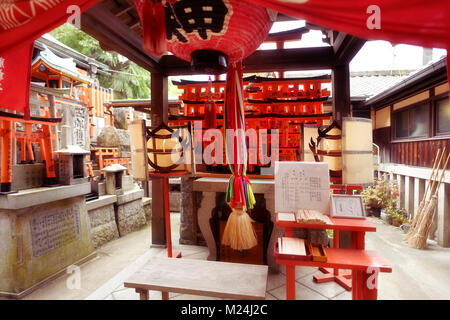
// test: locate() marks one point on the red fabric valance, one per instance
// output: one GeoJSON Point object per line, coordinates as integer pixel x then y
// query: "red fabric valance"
{"type": "Point", "coordinates": [418, 22]}
{"type": "Point", "coordinates": [423, 23]}
{"type": "Point", "coordinates": [21, 22]}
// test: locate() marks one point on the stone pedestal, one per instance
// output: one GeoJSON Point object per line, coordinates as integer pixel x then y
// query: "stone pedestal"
{"type": "Point", "coordinates": [186, 215]}
{"type": "Point", "coordinates": [27, 176]}
{"type": "Point", "coordinates": [103, 227]}
{"type": "Point", "coordinates": [209, 187]}
{"type": "Point", "coordinates": [147, 204]}
{"type": "Point", "coordinates": [130, 211]}
{"type": "Point", "coordinates": [42, 232]}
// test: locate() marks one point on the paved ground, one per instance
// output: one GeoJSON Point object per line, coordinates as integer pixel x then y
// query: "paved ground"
{"type": "Point", "coordinates": [417, 274]}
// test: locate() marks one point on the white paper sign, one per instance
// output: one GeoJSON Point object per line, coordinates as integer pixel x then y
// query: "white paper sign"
{"type": "Point", "coordinates": [349, 206]}
{"type": "Point", "coordinates": [302, 185]}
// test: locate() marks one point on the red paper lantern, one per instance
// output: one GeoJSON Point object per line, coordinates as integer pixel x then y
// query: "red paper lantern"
{"type": "Point", "coordinates": [210, 33]}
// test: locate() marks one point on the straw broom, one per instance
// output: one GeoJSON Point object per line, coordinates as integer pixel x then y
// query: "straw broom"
{"type": "Point", "coordinates": [419, 239]}
{"type": "Point", "coordinates": [428, 199]}
{"type": "Point", "coordinates": [239, 233]}
{"type": "Point", "coordinates": [418, 215]}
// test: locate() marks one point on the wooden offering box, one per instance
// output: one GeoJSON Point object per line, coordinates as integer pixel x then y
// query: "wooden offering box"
{"type": "Point", "coordinates": [318, 252]}
{"type": "Point", "coordinates": [303, 254]}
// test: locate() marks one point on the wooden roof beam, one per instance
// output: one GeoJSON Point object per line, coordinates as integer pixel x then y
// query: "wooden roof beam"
{"type": "Point", "coordinates": [289, 35]}
{"type": "Point", "coordinates": [122, 10]}
{"type": "Point", "coordinates": [113, 34]}
{"type": "Point", "coordinates": [266, 61]}
{"type": "Point", "coordinates": [345, 47]}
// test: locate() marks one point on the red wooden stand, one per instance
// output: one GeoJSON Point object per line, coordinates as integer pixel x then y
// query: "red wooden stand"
{"type": "Point", "coordinates": [364, 265]}
{"type": "Point", "coordinates": [165, 177]}
{"type": "Point", "coordinates": [343, 278]}
{"type": "Point", "coordinates": [358, 227]}
{"type": "Point", "coordinates": [167, 220]}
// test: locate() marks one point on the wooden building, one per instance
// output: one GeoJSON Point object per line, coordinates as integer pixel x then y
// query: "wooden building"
{"type": "Point", "coordinates": [411, 121]}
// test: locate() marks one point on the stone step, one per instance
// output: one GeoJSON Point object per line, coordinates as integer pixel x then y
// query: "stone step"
{"type": "Point", "coordinates": [91, 196]}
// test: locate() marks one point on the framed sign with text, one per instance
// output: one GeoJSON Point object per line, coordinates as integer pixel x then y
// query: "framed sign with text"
{"type": "Point", "coordinates": [347, 206]}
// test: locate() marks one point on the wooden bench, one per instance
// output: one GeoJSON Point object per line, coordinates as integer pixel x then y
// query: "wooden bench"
{"type": "Point", "coordinates": [200, 277]}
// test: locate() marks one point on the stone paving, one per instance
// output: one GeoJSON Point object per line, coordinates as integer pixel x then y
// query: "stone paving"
{"type": "Point", "coordinates": [306, 289]}
{"type": "Point", "coordinates": [417, 274]}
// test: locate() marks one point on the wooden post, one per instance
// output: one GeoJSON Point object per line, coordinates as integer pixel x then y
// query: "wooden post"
{"type": "Point", "coordinates": [159, 112]}
{"type": "Point", "coordinates": [6, 156]}
{"type": "Point", "coordinates": [340, 79]}
{"type": "Point", "coordinates": [443, 216]}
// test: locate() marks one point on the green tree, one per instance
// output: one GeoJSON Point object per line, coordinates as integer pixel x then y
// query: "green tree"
{"type": "Point", "coordinates": [128, 80]}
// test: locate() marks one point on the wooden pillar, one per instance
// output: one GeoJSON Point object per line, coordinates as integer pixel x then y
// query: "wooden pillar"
{"type": "Point", "coordinates": [419, 190]}
{"type": "Point", "coordinates": [159, 112]}
{"type": "Point", "coordinates": [409, 195]}
{"type": "Point", "coordinates": [340, 82]}
{"type": "Point", "coordinates": [340, 79]}
{"type": "Point", "coordinates": [443, 215]}
{"type": "Point", "coordinates": [280, 45]}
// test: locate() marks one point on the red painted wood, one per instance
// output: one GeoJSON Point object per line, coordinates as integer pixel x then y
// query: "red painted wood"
{"type": "Point", "coordinates": [167, 216]}
{"type": "Point", "coordinates": [170, 254]}
{"type": "Point", "coordinates": [340, 224]}
{"type": "Point", "coordinates": [290, 282]}
{"type": "Point", "coordinates": [344, 259]}
{"type": "Point", "coordinates": [168, 174]}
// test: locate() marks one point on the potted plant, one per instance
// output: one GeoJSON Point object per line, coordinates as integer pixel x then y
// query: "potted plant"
{"type": "Point", "coordinates": [383, 194]}
{"type": "Point", "coordinates": [399, 217]}
{"type": "Point", "coordinates": [386, 215]}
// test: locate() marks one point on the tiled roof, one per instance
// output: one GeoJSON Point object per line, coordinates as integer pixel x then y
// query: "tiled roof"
{"type": "Point", "coordinates": [366, 86]}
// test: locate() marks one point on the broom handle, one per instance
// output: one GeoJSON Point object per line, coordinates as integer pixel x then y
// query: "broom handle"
{"type": "Point", "coordinates": [442, 175]}
{"type": "Point", "coordinates": [437, 190]}
{"type": "Point", "coordinates": [436, 174]}
{"type": "Point", "coordinates": [432, 174]}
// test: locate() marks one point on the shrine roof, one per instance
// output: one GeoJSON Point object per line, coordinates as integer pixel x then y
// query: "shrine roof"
{"type": "Point", "coordinates": [67, 66]}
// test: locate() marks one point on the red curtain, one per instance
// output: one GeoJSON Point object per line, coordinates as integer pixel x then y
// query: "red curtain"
{"type": "Point", "coordinates": [418, 22]}
{"type": "Point", "coordinates": [25, 20]}
{"type": "Point", "coordinates": [423, 23]}
{"type": "Point", "coordinates": [21, 22]}
{"type": "Point", "coordinates": [15, 73]}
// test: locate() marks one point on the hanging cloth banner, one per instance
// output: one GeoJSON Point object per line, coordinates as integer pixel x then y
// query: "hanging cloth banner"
{"type": "Point", "coordinates": [420, 22]}
{"type": "Point", "coordinates": [21, 22]}
{"type": "Point", "coordinates": [15, 75]}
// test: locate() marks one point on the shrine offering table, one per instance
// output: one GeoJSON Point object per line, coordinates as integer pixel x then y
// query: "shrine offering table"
{"type": "Point", "coordinates": [358, 228]}
{"type": "Point", "coordinates": [365, 266]}
{"type": "Point", "coordinates": [200, 277]}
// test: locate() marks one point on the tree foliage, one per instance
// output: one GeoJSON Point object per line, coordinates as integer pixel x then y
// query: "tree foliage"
{"type": "Point", "coordinates": [128, 80]}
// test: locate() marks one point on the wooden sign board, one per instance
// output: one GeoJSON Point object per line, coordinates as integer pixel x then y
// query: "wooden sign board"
{"type": "Point", "coordinates": [347, 206]}
{"type": "Point", "coordinates": [302, 185]}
